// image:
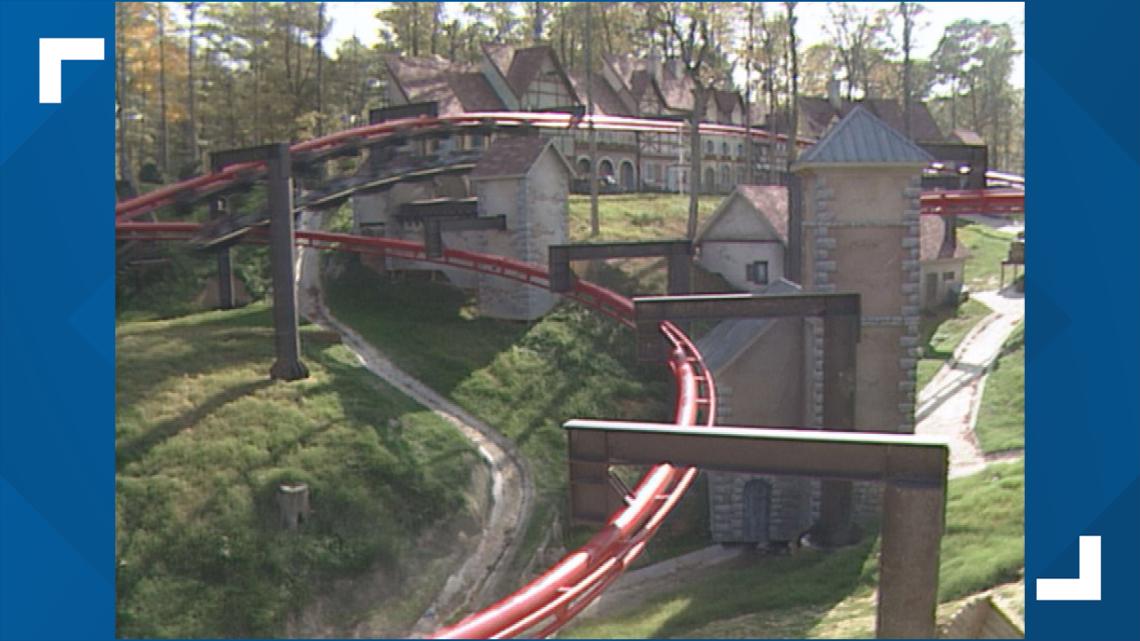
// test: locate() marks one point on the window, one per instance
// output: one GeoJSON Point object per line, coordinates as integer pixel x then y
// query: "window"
{"type": "Point", "coordinates": [708, 146]}
{"type": "Point", "coordinates": [724, 148]}
{"type": "Point", "coordinates": [477, 141]}
{"type": "Point", "coordinates": [740, 150]}
{"type": "Point", "coordinates": [948, 276]}
{"type": "Point", "coordinates": [757, 272]}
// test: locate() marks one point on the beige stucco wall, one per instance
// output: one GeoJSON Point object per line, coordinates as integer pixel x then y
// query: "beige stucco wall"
{"type": "Point", "coordinates": [765, 382]}
{"type": "Point", "coordinates": [736, 239]}
{"type": "Point", "coordinates": [869, 261]}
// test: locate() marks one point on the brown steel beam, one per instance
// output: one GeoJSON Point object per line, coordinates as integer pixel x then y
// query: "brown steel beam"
{"type": "Point", "coordinates": [913, 469]}
{"type": "Point", "coordinates": [434, 228]}
{"type": "Point", "coordinates": [288, 366]}
{"type": "Point", "coordinates": [851, 456]}
{"type": "Point", "coordinates": [650, 311]}
{"type": "Point", "coordinates": [676, 252]}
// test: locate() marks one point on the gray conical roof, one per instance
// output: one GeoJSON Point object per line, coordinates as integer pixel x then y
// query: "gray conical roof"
{"type": "Point", "coordinates": [861, 138]}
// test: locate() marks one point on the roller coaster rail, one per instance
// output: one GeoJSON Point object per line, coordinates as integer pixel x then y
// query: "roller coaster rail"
{"type": "Point", "coordinates": [237, 175]}
{"type": "Point", "coordinates": [547, 603]}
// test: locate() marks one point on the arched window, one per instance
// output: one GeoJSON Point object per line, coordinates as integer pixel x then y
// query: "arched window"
{"type": "Point", "coordinates": [724, 148]}
{"type": "Point", "coordinates": [583, 167]}
{"type": "Point", "coordinates": [627, 177]}
{"type": "Point", "coordinates": [710, 180]}
{"type": "Point", "coordinates": [606, 167]}
{"type": "Point", "coordinates": [708, 146]}
{"type": "Point", "coordinates": [725, 177]}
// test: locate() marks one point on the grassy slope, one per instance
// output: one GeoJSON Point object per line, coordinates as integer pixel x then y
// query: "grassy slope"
{"type": "Point", "coordinates": [988, 247]}
{"type": "Point", "coordinates": [818, 595]}
{"type": "Point", "coordinates": [523, 379]}
{"type": "Point", "coordinates": [941, 332]}
{"type": "Point", "coordinates": [1001, 417]}
{"type": "Point", "coordinates": [633, 217]}
{"type": "Point", "coordinates": [203, 438]}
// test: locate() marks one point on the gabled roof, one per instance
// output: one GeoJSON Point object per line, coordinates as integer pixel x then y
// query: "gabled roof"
{"type": "Point", "coordinates": [861, 138]}
{"type": "Point", "coordinates": [606, 101]}
{"type": "Point", "coordinates": [768, 201]}
{"type": "Point", "coordinates": [732, 337]}
{"type": "Point", "coordinates": [518, 67]}
{"type": "Point", "coordinates": [513, 156]}
{"type": "Point", "coordinates": [818, 114]}
{"type": "Point", "coordinates": [932, 240]}
{"type": "Point", "coordinates": [457, 88]}
{"type": "Point", "coordinates": [967, 137]}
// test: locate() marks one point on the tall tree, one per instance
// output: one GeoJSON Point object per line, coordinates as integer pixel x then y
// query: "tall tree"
{"type": "Point", "coordinates": [908, 13]}
{"type": "Point", "coordinates": [164, 122]}
{"type": "Point", "coordinates": [793, 55]}
{"type": "Point", "coordinates": [191, 88]}
{"type": "Point", "coordinates": [689, 27]}
{"type": "Point", "coordinates": [858, 36]}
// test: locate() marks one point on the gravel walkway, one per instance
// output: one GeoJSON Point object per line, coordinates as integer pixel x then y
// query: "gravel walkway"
{"type": "Point", "coordinates": [948, 405]}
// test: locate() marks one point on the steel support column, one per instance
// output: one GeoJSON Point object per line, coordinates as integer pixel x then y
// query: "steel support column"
{"type": "Point", "coordinates": [288, 366]}
{"type": "Point", "coordinates": [225, 266]}
{"type": "Point", "coordinates": [836, 504]}
{"type": "Point", "coordinates": [913, 518]}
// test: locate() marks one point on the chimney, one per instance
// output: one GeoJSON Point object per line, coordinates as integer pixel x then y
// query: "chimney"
{"type": "Point", "coordinates": [833, 94]}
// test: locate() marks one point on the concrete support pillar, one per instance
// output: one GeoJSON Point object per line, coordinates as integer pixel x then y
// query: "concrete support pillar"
{"type": "Point", "coordinates": [913, 518]}
{"type": "Point", "coordinates": [840, 334]}
{"type": "Point", "coordinates": [225, 268]}
{"type": "Point", "coordinates": [679, 277]}
{"type": "Point", "coordinates": [288, 366]}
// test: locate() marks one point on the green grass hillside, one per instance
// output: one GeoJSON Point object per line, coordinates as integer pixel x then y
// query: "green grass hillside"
{"type": "Point", "coordinates": [202, 440]}
{"type": "Point", "coordinates": [524, 379]}
{"type": "Point", "coordinates": [1001, 416]}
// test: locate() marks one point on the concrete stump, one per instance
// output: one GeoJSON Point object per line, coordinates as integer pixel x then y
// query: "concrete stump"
{"type": "Point", "coordinates": [293, 502]}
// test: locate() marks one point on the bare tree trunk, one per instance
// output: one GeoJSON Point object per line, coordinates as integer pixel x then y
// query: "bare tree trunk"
{"type": "Point", "coordinates": [320, 67]}
{"type": "Point", "coordinates": [436, 13]}
{"type": "Point", "coordinates": [793, 134]}
{"type": "Point", "coordinates": [126, 171]}
{"type": "Point", "coordinates": [191, 89]}
{"type": "Point", "coordinates": [748, 94]}
{"type": "Point", "coordinates": [696, 185]}
{"type": "Point", "coordinates": [539, 22]}
{"type": "Point", "coordinates": [908, 23]}
{"type": "Point", "coordinates": [163, 126]}
{"type": "Point", "coordinates": [594, 222]}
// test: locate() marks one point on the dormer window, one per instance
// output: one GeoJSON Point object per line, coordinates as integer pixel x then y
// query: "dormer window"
{"type": "Point", "coordinates": [757, 272]}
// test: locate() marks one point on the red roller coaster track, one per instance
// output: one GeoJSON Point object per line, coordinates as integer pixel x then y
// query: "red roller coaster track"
{"type": "Point", "coordinates": [550, 601]}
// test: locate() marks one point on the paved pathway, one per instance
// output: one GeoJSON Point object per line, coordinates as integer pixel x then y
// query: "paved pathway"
{"type": "Point", "coordinates": [948, 405]}
{"type": "Point", "coordinates": [512, 487]}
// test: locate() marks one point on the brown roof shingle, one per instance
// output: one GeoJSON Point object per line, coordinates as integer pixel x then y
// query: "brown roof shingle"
{"type": "Point", "coordinates": [456, 88]}
{"type": "Point", "coordinates": [510, 156]}
{"type": "Point", "coordinates": [932, 240]}
{"type": "Point", "coordinates": [772, 203]}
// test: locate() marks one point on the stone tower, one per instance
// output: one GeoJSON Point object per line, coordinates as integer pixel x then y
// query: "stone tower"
{"type": "Point", "coordinates": [856, 227]}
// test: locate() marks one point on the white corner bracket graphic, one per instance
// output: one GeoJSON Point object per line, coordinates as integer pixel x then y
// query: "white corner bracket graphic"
{"type": "Point", "coordinates": [53, 51]}
{"type": "Point", "coordinates": [1086, 587]}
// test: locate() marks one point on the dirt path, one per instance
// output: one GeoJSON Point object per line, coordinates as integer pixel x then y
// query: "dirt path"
{"type": "Point", "coordinates": [948, 405]}
{"type": "Point", "coordinates": [512, 487]}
